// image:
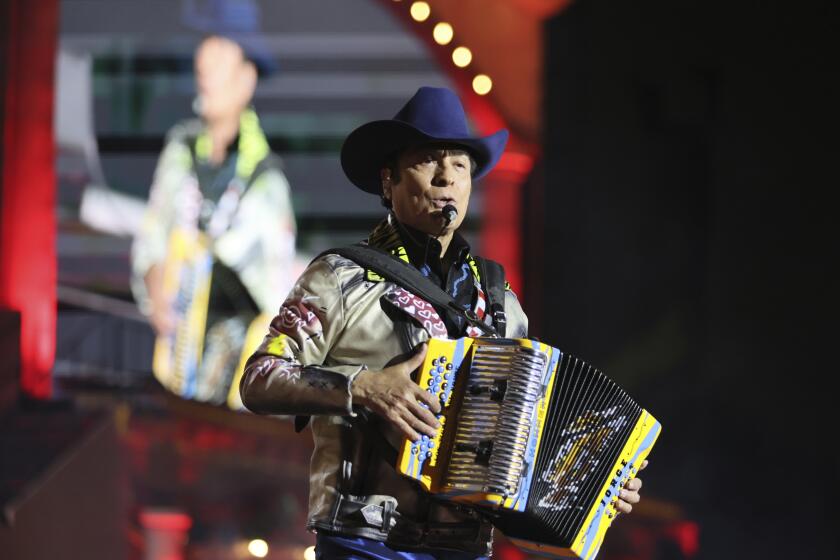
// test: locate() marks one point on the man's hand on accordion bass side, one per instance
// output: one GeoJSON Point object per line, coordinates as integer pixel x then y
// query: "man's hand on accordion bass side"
{"type": "Point", "coordinates": [629, 495]}
{"type": "Point", "coordinates": [392, 394]}
{"type": "Point", "coordinates": [161, 315]}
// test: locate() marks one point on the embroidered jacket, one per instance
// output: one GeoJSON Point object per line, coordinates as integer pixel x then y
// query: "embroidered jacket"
{"type": "Point", "coordinates": [338, 320]}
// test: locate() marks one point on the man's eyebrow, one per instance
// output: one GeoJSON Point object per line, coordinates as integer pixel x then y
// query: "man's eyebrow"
{"type": "Point", "coordinates": [457, 152]}
{"type": "Point", "coordinates": [439, 152]}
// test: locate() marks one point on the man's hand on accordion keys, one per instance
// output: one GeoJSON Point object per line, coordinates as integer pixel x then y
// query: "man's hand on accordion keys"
{"type": "Point", "coordinates": [629, 495]}
{"type": "Point", "coordinates": [393, 395]}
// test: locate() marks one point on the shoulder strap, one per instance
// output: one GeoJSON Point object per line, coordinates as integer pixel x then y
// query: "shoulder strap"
{"type": "Point", "coordinates": [493, 281]}
{"type": "Point", "coordinates": [409, 278]}
{"type": "Point", "coordinates": [271, 161]}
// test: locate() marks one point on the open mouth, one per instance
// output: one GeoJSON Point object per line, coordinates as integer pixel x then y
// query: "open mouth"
{"type": "Point", "coordinates": [439, 203]}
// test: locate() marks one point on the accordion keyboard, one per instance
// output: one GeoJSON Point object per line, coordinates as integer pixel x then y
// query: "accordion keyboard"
{"type": "Point", "coordinates": [504, 387]}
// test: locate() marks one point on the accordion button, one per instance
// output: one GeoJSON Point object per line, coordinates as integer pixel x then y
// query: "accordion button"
{"type": "Point", "coordinates": [435, 362]}
{"type": "Point", "coordinates": [440, 369]}
{"type": "Point", "coordinates": [443, 359]}
{"type": "Point", "coordinates": [449, 366]}
{"type": "Point", "coordinates": [431, 445]}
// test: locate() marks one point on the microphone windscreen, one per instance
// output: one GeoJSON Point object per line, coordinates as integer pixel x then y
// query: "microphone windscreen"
{"type": "Point", "coordinates": [449, 213]}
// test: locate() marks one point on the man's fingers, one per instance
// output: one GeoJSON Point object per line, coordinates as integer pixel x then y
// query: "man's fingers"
{"type": "Point", "coordinates": [634, 484]}
{"type": "Point", "coordinates": [420, 426]}
{"type": "Point", "coordinates": [406, 430]}
{"type": "Point", "coordinates": [629, 496]}
{"type": "Point", "coordinates": [429, 399]}
{"type": "Point", "coordinates": [427, 419]}
{"type": "Point", "coordinates": [623, 507]}
{"type": "Point", "coordinates": [416, 360]}
{"type": "Point", "coordinates": [407, 419]}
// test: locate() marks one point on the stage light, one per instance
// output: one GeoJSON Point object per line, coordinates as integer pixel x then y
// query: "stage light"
{"type": "Point", "coordinates": [258, 548]}
{"type": "Point", "coordinates": [443, 33]}
{"type": "Point", "coordinates": [309, 553]}
{"type": "Point", "coordinates": [462, 56]}
{"type": "Point", "coordinates": [482, 84]}
{"type": "Point", "coordinates": [420, 11]}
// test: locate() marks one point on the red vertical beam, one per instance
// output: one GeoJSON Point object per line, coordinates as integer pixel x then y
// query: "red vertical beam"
{"type": "Point", "coordinates": [501, 231]}
{"type": "Point", "coordinates": [27, 206]}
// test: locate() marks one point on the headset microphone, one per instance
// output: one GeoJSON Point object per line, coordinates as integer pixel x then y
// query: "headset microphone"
{"type": "Point", "coordinates": [449, 213]}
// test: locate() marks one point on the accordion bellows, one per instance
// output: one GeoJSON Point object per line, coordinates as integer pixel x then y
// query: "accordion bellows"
{"type": "Point", "coordinates": [537, 440]}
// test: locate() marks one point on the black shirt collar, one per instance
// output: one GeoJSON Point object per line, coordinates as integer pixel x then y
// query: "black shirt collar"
{"type": "Point", "coordinates": [423, 248]}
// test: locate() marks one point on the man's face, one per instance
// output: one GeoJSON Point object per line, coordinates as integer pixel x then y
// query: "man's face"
{"type": "Point", "coordinates": [431, 177]}
{"type": "Point", "coordinates": [223, 79]}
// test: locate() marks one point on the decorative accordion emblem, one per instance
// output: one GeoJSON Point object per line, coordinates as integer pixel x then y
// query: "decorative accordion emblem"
{"type": "Point", "coordinates": [538, 440]}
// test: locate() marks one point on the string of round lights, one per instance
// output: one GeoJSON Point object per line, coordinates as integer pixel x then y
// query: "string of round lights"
{"type": "Point", "coordinates": [443, 34]}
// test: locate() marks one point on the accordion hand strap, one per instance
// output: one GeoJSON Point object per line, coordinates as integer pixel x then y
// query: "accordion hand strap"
{"type": "Point", "coordinates": [408, 277]}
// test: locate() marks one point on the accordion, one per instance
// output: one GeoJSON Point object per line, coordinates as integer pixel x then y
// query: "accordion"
{"type": "Point", "coordinates": [186, 282]}
{"type": "Point", "coordinates": [179, 361]}
{"type": "Point", "coordinates": [536, 440]}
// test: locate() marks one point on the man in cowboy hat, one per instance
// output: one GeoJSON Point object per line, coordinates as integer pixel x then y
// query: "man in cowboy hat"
{"type": "Point", "coordinates": [346, 340]}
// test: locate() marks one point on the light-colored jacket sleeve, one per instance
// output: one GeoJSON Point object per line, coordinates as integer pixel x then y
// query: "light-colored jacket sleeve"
{"type": "Point", "coordinates": [517, 321]}
{"type": "Point", "coordinates": [291, 372]}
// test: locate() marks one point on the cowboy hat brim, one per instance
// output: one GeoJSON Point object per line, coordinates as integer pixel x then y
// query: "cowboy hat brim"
{"type": "Point", "coordinates": [366, 149]}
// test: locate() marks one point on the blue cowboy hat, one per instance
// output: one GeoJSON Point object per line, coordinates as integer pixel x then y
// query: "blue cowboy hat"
{"type": "Point", "coordinates": [433, 115]}
{"type": "Point", "coordinates": [235, 20]}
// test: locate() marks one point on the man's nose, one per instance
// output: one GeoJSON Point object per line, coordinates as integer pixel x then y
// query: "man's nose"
{"type": "Point", "coordinates": [445, 176]}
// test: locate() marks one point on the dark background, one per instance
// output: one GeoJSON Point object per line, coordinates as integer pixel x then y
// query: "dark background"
{"type": "Point", "coordinates": [679, 235]}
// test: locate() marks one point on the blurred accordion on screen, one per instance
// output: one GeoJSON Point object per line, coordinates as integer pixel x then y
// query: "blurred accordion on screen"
{"type": "Point", "coordinates": [180, 361]}
{"type": "Point", "coordinates": [186, 282]}
{"type": "Point", "coordinates": [535, 439]}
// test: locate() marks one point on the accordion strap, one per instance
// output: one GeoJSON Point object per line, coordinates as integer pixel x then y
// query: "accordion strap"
{"type": "Point", "coordinates": [493, 280]}
{"type": "Point", "coordinates": [408, 277]}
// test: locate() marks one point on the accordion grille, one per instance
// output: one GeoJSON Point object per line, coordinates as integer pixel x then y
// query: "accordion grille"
{"type": "Point", "coordinates": [498, 425]}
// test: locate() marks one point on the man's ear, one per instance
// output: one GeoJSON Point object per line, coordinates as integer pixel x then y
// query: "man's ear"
{"type": "Point", "coordinates": [249, 80]}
